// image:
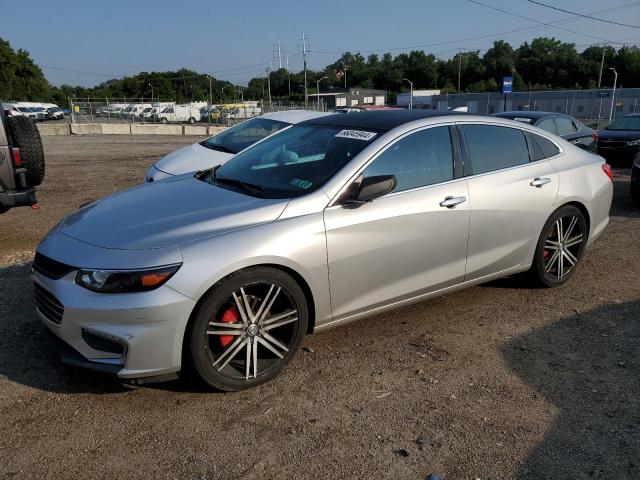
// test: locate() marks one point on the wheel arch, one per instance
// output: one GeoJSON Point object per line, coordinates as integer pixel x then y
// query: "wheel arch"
{"type": "Point", "coordinates": [580, 206]}
{"type": "Point", "coordinates": [300, 280]}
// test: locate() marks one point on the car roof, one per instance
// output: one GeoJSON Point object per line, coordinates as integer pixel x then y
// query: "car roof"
{"type": "Point", "coordinates": [294, 116]}
{"type": "Point", "coordinates": [532, 114]}
{"type": "Point", "coordinates": [382, 120]}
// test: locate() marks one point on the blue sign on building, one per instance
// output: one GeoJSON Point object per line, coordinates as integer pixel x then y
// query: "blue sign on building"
{"type": "Point", "coordinates": [507, 84]}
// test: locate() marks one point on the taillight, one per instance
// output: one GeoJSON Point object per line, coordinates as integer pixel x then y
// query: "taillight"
{"type": "Point", "coordinates": [17, 157]}
{"type": "Point", "coordinates": [595, 135]}
{"type": "Point", "coordinates": [606, 168]}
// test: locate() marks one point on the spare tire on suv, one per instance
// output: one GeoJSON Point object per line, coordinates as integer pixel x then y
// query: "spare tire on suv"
{"type": "Point", "coordinates": [24, 135]}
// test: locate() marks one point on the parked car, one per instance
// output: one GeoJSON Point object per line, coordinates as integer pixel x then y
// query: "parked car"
{"type": "Point", "coordinates": [222, 146]}
{"type": "Point", "coordinates": [54, 112]}
{"type": "Point", "coordinates": [27, 112]}
{"type": "Point", "coordinates": [178, 113]}
{"type": "Point", "coordinates": [565, 126]}
{"type": "Point", "coordinates": [333, 219]}
{"type": "Point", "coordinates": [11, 110]}
{"type": "Point", "coordinates": [619, 142]}
{"type": "Point", "coordinates": [21, 161]}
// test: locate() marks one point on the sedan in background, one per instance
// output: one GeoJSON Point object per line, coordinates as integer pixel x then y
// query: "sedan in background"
{"type": "Point", "coordinates": [619, 143]}
{"type": "Point", "coordinates": [565, 126]}
{"type": "Point", "coordinates": [221, 147]}
{"type": "Point", "coordinates": [225, 272]}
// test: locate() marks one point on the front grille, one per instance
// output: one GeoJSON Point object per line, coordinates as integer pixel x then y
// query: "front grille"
{"type": "Point", "coordinates": [47, 304]}
{"type": "Point", "coordinates": [51, 268]}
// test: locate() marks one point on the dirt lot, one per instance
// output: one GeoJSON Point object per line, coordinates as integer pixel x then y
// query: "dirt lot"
{"type": "Point", "coordinates": [494, 382]}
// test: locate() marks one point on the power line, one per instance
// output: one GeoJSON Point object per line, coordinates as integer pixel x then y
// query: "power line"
{"type": "Point", "coordinates": [484, 36]}
{"type": "Point", "coordinates": [548, 24]}
{"type": "Point", "coordinates": [582, 15]}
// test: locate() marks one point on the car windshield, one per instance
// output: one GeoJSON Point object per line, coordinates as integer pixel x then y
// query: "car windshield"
{"type": "Point", "coordinates": [292, 163]}
{"type": "Point", "coordinates": [243, 135]}
{"type": "Point", "coordinates": [625, 123]}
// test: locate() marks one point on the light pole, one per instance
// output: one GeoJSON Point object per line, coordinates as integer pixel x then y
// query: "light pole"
{"type": "Point", "coordinates": [318, 90]}
{"type": "Point", "coordinates": [210, 94]}
{"type": "Point", "coordinates": [241, 95]}
{"type": "Point", "coordinates": [222, 92]}
{"type": "Point", "coordinates": [151, 92]}
{"type": "Point", "coordinates": [411, 94]}
{"type": "Point", "coordinates": [613, 95]}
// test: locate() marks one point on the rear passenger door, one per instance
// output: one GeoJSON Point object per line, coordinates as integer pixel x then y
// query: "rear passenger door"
{"type": "Point", "coordinates": [511, 190]}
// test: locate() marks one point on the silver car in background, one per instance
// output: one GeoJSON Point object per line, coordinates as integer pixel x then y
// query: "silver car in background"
{"type": "Point", "coordinates": [221, 147]}
{"type": "Point", "coordinates": [224, 272]}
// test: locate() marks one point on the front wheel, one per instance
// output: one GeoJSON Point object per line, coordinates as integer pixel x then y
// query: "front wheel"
{"type": "Point", "coordinates": [248, 327]}
{"type": "Point", "coordinates": [560, 247]}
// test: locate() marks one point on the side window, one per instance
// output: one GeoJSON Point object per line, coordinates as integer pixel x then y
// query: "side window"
{"type": "Point", "coordinates": [493, 148]}
{"type": "Point", "coordinates": [419, 159]}
{"type": "Point", "coordinates": [548, 125]}
{"type": "Point", "coordinates": [565, 126]}
{"type": "Point", "coordinates": [548, 147]}
{"type": "Point", "coordinates": [576, 126]}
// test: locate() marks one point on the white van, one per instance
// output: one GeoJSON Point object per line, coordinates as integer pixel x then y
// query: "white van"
{"type": "Point", "coordinates": [178, 113]}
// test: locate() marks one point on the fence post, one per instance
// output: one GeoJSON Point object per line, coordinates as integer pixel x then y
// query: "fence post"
{"type": "Point", "coordinates": [73, 117]}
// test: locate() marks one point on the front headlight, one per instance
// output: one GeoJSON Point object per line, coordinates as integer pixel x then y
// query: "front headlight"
{"type": "Point", "coordinates": [125, 281]}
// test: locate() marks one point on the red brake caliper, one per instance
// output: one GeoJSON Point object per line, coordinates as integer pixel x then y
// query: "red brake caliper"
{"type": "Point", "coordinates": [229, 316]}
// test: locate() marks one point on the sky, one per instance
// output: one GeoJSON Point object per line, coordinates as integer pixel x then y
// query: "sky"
{"type": "Point", "coordinates": [86, 42]}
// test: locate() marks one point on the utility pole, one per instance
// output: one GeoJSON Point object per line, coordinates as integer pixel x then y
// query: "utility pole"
{"type": "Point", "coordinates": [289, 78]}
{"type": "Point", "coordinates": [345, 67]}
{"type": "Point", "coordinates": [318, 90]}
{"type": "Point", "coordinates": [411, 94]}
{"type": "Point", "coordinates": [269, 85]}
{"type": "Point", "coordinates": [613, 95]}
{"type": "Point", "coordinates": [459, 67]}
{"type": "Point", "coordinates": [604, 49]}
{"type": "Point", "coordinates": [305, 48]}
{"type": "Point", "coordinates": [279, 56]}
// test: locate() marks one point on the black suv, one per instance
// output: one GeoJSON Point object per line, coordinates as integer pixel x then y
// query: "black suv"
{"type": "Point", "coordinates": [21, 161]}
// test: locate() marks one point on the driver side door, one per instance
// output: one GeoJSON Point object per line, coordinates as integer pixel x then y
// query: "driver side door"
{"type": "Point", "coordinates": [408, 242]}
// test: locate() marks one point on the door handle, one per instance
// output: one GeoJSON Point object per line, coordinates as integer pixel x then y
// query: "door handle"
{"type": "Point", "coordinates": [451, 202]}
{"type": "Point", "coordinates": [539, 182]}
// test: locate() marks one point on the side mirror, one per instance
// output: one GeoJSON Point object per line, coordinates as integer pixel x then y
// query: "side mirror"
{"type": "Point", "coordinates": [371, 188]}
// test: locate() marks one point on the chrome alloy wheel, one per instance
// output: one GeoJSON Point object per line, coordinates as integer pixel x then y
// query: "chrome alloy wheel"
{"type": "Point", "coordinates": [260, 319]}
{"type": "Point", "coordinates": [563, 246]}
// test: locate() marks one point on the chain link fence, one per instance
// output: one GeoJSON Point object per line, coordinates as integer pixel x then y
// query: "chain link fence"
{"type": "Point", "coordinates": [91, 110]}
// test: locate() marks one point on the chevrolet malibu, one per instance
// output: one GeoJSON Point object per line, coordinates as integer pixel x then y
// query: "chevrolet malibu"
{"type": "Point", "coordinates": [224, 272]}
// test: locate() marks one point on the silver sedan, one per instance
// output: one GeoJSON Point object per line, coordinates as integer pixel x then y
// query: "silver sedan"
{"type": "Point", "coordinates": [224, 272]}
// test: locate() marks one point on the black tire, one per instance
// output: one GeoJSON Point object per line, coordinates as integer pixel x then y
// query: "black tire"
{"type": "Point", "coordinates": [635, 194]}
{"type": "Point", "coordinates": [192, 120]}
{"type": "Point", "coordinates": [543, 258]}
{"type": "Point", "coordinates": [25, 136]}
{"type": "Point", "coordinates": [204, 351]}
{"type": "Point", "coordinates": [164, 121]}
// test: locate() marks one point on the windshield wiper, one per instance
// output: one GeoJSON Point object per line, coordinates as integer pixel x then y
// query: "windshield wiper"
{"type": "Point", "coordinates": [220, 148]}
{"type": "Point", "coordinates": [247, 187]}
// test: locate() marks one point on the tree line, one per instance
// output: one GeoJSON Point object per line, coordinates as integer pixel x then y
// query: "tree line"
{"type": "Point", "coordinates": [543, 64]}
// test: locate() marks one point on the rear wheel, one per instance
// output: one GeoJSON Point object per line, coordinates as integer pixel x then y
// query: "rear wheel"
{"type": "Point", "coordinates": [25, 136]}
{"type": "Point", "coordinates": [248, 328]}
{"type": "Point", "coordinates": [192, 120]}
{"type": "Point", "coordinates": [635, 193]}
{"type": "Point", "coordinates": [560, 247]}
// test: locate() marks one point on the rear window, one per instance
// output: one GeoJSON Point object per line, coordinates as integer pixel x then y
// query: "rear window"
{"type": "Point", "coordinates": [565, 126]}
{"type": "Point", "coordinates": [493, 147]}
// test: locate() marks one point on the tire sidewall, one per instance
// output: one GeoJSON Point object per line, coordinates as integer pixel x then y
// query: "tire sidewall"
{"type": "Point", "coordinates": [212, 302]}
{"type": "Point", "coordinates": [538, 263]}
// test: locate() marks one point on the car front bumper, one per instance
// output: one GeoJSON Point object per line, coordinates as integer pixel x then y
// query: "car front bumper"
{"type": "Point", "coordinates": [149, 327]}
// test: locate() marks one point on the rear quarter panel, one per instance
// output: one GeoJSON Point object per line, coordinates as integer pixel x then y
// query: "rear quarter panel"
{"type": "Point", "coordinates": [583, 181]}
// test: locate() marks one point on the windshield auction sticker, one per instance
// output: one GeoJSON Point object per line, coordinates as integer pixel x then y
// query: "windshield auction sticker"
{"type": "Point", "coordinates": [356, 134]}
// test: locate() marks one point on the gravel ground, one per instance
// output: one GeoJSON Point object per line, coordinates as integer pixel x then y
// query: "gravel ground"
{"type": "Point", "coordinates": [494, 382]}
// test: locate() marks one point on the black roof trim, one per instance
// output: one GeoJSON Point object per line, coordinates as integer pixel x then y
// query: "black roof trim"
{"type": "Point", "coordinates": [381, 120]}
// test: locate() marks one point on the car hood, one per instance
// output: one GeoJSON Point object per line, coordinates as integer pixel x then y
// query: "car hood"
{"type": "Point", "coordinates": [170, 212]}
{"type": "Point", "coordinates": [619, 135]}
{"type": "Point", "coordinates": [191, 159]}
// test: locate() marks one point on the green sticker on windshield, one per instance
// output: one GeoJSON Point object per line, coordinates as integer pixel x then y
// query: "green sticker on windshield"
{"type": "Point", "coordinates": [304, 184]}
